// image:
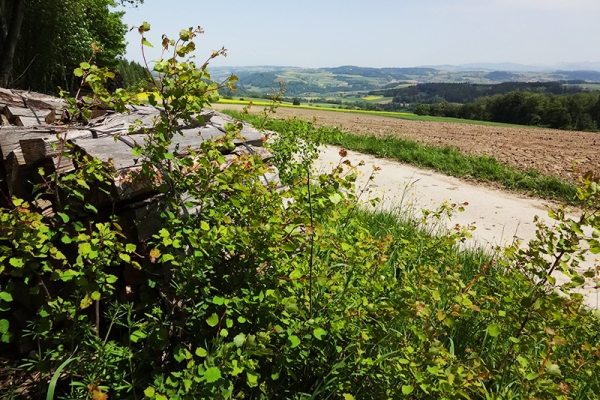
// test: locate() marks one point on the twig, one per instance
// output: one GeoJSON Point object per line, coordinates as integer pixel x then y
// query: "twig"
{"type": "Point", "coordinates": [312, 246]}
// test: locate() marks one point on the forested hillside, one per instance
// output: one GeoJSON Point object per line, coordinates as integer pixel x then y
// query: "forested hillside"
{"type": "Point", "coordinates": [466, 92]}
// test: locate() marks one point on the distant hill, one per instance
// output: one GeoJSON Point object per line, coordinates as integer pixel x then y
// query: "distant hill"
{"type": "Point", "coordinates": [356, 81]}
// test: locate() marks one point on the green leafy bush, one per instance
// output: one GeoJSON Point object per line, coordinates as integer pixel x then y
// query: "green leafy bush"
{"type": "Point", "coordinates": [289, 293]}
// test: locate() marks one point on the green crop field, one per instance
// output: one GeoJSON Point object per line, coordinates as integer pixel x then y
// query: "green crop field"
{"type": "Point", "coordinates": [391, 114]}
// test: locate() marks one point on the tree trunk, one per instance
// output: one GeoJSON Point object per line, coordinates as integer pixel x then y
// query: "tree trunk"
{"type": "Point", "coordinates": [10, 44]}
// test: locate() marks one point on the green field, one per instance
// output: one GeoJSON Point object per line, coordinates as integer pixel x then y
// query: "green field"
{"type": "Point", "coordinates": [589, 86]}
{"type": "Point", "coordinates": [391, 114]}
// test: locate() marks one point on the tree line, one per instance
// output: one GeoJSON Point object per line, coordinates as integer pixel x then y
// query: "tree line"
{"type": "Point", "coordinates": [42, 41]}
{"type": "Point", "coordinates": [430, 93]}
{"type": "Point", "coordinates": [580, 111]}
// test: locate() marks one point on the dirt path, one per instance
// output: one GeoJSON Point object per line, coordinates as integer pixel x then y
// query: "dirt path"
{"type": "Point", "coordinates": [552, 152]}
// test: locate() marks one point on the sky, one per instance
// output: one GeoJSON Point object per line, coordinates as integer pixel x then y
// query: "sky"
{"type": "Point", "coordinates": [376, 33]}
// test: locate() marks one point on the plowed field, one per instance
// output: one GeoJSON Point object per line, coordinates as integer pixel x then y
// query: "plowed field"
{"type": "Point", "coordinates": [552, 152]}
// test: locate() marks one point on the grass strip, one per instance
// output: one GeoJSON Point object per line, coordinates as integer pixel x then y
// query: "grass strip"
{"type": "Point", "coordinates": [392, 114]}
{"type": "Point", "coordinates": [450, 161]}
{"type": "Point", "coordinates": [447, 160]}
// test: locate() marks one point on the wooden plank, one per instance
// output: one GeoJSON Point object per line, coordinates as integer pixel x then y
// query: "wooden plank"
{"type": "Point", "coordinates": [26, 115]}
{"type": "Point", "coordinates": [11, 164]}
{"type": "Point", "coordinates": [27, 121]}
{"type": "Point", "coordinates": [4, 120]}
{"type": "Point", "coordinates": [8, 98]}
{"type": "Point", "coordinates": [106, 148]}
{"type": "Point", "coordinates": [10, 137]}
{"type": "Point", "coordinates": [35, 149]}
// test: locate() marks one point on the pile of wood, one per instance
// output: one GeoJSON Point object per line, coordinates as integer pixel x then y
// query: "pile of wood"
{"type": "Point", "coordinates": [33, 130]}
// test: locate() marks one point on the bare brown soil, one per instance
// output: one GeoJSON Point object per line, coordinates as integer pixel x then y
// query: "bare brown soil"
{"type": "Point", "coordinates": [552, 152]}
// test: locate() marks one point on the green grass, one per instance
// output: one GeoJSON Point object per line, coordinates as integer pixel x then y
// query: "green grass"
{"type": "Point", "coordinates": [447, 160]}
{"type": "Point", "coordinates": [452, 162]}
{"type": "Point", "coordinates": [402, 224]}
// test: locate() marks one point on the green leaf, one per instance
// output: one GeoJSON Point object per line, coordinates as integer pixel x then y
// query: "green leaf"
{"type": "Point", "coordinates": [149, 392]}
{"type": "Point", "coordinates": [125, 257]}
{"type": "Point", "coordinates": [407, 389]}
{"type": "Point", "coordinates": [145, 42]}
{"type": "Point", "coordinates": [319, 333]}
{"type": "Point", "coordinates": [200, 352]}
{"type": "Point", "coordinates": [95, 296]}
{"type": "Point", "coordinates": [64, 217]}
{"type": "Point", "coordinates": [137, 336]}
{"type": "Point", "coordinates": [78, 72]}
{"type": "Point", "coordinates": [5, 296]}
{"type": "Point", "coordinates": [204, 226]}
{"type": "Point", "coordinates": [493, 330]}
{"type": "Point", "coordinates": [239, 340]}
{"type": "Point", "coordinates": [252, 379]}
{"type": "Point", "coordinates": [531, 376]}
{"type": "Point", "coordinates": [16, 262]}
{"type": "Point", "coordinates": [137, 151]}
{"type": "Point", "coordinates": [213, 320]}
{"type": "Point", "coordinates": [85, 302]}
{"type": "Point", "coordinates": [85, 65]}
{"type": "Point", "coordinates": [335, 198]}
{"type": "Point", "coordinates": [4, 325]}
{"type": "Point", "coordinates": [84, 248]}
{"type": "Point", "coordinates": [212, 374]}
{"type": "Point", "coordinates": [56, 377]}
{"type": "Point", "coordinates": [294, 340]}
{"type": "Point", "coordinates": [130, 247]}
{"type": "Point", "coordinates": [553, 369]}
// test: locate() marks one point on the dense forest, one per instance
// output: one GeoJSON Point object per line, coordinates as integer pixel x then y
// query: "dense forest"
{"type": "Point", "coordinates": [429, 93]}
{"type": "Point", "coordinates": [579, 111]}
{"type": "Point", "coordinates": [42, 41]}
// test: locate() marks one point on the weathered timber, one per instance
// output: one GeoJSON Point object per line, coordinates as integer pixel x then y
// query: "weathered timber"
{"type": "Point", "coordinates": [35, 149]}
{"type": "Point", "coordinates": [39, 100]}
{"type": "Point", "coordinates": [139, 219]}
{"type": "Point", "coordinates": [28, 116]}
{"type": "Point", "coordinates": [10, 137]}
{"type": "Point", "coordinates": [28, 121]}
{"type": "Point", "coordinates": [213, 126]}
{"type": "Point", "coordinates": [15, 176]}
{"type": "Point", "coordinates": [4, 119]}
{"type": "Point", "coordinates": [116, 153]}
{"type": "Point", "coordinates": [8, 98]}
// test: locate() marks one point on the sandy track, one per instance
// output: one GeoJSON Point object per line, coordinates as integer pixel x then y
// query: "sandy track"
{"type": "Point", "coordinates": [549, 151]}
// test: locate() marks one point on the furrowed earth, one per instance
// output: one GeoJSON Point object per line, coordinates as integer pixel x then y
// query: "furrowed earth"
{"type": "Point", "coordinates": [549, 151]}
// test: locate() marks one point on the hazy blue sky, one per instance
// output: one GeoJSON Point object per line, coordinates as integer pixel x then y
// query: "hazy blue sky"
{"type": "Point", "coordinates": [379, 33]}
